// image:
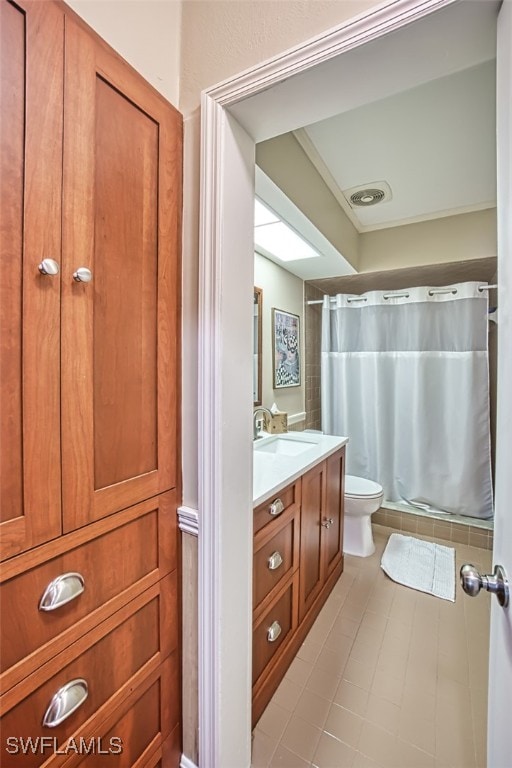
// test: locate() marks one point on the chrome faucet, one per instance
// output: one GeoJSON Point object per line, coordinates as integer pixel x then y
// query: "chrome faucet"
{"type": "Point", "coordinates": [255, 431]}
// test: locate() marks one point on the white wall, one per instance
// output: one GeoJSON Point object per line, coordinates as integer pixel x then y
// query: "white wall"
{"type": "Point", "coordinates": [285, 291]}
{"type": "Point", "coordinates": [146, 33]}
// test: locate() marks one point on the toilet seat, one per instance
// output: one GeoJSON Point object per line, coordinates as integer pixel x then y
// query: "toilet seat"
{"type": "Point", "coordinates": [359, 487]}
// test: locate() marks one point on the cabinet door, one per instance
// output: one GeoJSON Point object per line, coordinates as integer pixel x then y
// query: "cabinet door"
{"type": "Point", "coordinates": [120, 332]}
{"type": "Point", "coordinates": [334, 489]}
{"type": "Point", "coordinates": [312, 515]}
{"type": "Point", "coordinates": [31, 65]}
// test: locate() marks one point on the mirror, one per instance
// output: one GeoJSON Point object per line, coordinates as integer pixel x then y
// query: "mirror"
{"type": "Point", "coordinates": [256, 376]}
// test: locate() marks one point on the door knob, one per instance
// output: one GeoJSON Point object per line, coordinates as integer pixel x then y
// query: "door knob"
{"type": "Point", "coordinates": [82, 275]}
{"type": "Point", "coordinates": [496, 582]}
{"type": "Point", "coordinates": [49, 267]}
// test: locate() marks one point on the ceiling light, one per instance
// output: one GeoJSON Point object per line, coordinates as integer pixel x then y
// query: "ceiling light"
{"type": "Point", "coordinates": [279, 240]}
{"type": "Point", "coordinates": [263, 215]}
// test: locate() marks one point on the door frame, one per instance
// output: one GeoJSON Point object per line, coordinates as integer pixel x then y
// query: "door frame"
{"type": "Point", "coordinates": [225, 375]}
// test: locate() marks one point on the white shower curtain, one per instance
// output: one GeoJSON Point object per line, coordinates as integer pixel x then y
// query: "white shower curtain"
{"type": "Point", "coordinates": [406, 379]}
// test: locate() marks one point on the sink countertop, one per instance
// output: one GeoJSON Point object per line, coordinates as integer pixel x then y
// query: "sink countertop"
{"type": "Point", "coordinates": [274, 471]}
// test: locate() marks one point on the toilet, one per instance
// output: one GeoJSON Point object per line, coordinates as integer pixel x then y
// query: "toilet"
{"type": "Point", "coordinates": [362, 498]}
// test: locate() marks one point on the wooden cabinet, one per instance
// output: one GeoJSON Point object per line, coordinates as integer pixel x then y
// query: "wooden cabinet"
{"type": "Point", "coordinates": [90, 371]}
{"type": "Point", "coordinates": [298, 557]}
{"type": "Point", "coordinates": [287, 499]}
{"type": "Point", "coordinates": [108, 663]}
{"type": "Point", "coordinates": [332, 533]}
{"type": "Point", "coordinates": [31, 94]}
{"type": "Point", "coordinates": [121, 203]}
{"type": "Point", "coordinates": [276, 557]}
{"type": "Point", "coordinates": [312, 518]}
{"type": "Point", "coordinates": [321, 527]}
{"type": "Point", "coordinates": [89, 326]}
{"type": "Point", "coordinates": [273, 628]}
{"type": "Point", "coordinates": [116, 559]}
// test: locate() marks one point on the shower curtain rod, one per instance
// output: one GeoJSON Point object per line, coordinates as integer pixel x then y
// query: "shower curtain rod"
{"type": "Point", "coordinates": [397, 294]}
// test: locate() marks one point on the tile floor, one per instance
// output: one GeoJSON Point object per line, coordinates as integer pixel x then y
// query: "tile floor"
{"type": "Point", "coordinates": [388, 677]}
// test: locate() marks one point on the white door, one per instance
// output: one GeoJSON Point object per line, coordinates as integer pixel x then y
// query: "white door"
{"type": "Point", "coordinates": [499, 737]}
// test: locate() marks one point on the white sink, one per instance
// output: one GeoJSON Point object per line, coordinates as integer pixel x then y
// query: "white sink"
{"type": "Point", "coordinates": [284, 446]}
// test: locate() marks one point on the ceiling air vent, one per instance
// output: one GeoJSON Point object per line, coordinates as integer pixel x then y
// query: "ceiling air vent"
{"type": "Point", "coordinates": [368, 195]}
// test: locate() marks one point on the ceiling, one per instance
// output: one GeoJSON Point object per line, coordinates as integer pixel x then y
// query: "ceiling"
{"type": "Point", "coordinates": [431, 134]}
{"type": "Point", "coordinates": [434, 145]}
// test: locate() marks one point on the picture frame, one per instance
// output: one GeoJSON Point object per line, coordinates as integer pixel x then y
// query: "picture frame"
{"type": "Point", "coordinates": [286, 351]}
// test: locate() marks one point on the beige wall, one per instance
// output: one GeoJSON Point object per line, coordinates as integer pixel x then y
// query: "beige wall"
{"type": "Point", "coordinates": [284, 291]}
{"type": "Point", "coordinates": [146, 33]}
{"type": "Point", "coordinates": [452, 238]}
{"type": "Point", "coordinates": [220, 38]}
{"type": "Point", "coordinates": [285, 162]}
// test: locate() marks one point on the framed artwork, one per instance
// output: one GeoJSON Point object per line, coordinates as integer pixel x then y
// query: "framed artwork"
{"type": "Point", "coordinates": [286, 349]}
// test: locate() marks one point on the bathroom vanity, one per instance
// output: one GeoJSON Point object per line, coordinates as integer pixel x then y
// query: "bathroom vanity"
{"type": "Point", "coordinates": [298, 547]}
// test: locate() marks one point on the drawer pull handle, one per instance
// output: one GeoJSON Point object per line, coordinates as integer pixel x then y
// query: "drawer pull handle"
{"type": "Point", "coordinates": [273, 632]}
{"type": "Point", "coordinates": [274, 561]}
{"type": "Point", "coordinates": [62, 590]}
{"type": "Point", "coordinates": [276, 508]}
{"type": "Point", "coordinates": [65, 702]}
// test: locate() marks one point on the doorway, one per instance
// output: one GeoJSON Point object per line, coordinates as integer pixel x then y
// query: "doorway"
{"type": "Point", "coordinates": [225, 561]}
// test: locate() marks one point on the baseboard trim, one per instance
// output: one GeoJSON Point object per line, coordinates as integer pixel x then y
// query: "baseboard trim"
{"type": "Point", "coordinates": [186, 762]}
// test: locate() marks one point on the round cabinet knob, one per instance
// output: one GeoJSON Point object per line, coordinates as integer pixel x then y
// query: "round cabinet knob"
{"type": "Point", "coordinates": [49, 267]}
{"type": "Point", "coordinates": [82, 275]}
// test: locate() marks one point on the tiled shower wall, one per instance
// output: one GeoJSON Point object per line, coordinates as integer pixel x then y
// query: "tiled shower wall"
{"type": "Point", "coordinates": [450, 530]}
{"type": "Point", "coordinates": [313, 324]}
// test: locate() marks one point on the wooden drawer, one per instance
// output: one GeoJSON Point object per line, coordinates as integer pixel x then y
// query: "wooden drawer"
{"type": "Point", "coordinates": [282, 613]}
{"type": "Point", "coordinates": [113, 658]}
{"type": "Point", "coordinates": [139, 727]}
{"type": "Point", "coordinates": [289, 498]}
{"type": "Point", "coordinates": [116, 565]}
{"type": "Point", "coordinates": [276, 556]}
{"type": "Point", "coordinates": [133, 735]}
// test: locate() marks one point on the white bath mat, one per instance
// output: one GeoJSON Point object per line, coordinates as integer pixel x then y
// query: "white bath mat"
{"type": "Point", "coordinates": [420, 565]}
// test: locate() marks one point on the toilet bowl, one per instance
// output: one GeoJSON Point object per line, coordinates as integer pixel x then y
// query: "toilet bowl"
{"type": "Point", "coordinates": [362, 498]}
